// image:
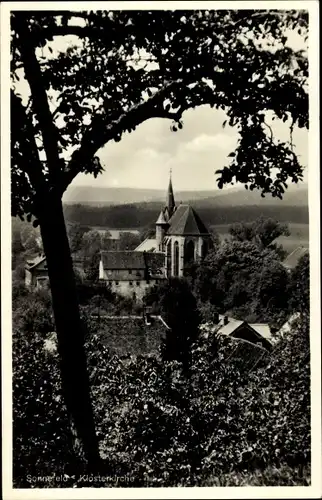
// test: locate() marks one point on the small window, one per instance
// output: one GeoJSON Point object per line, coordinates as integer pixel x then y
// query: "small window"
{"type": "Point", "coordinates": [116, 282]}
{"type": "Point", "coordinates": [130, 271]}
{"type": "Point", "coordinates": [138, 283]}
{"type": "Point", "coordinates": [147, 282]}
{"type": "Point", "coordinates": [130, 283]}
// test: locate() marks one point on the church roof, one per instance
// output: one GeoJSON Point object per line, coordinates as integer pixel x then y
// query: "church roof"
{"type": "Point", "coordinates": [185, 221]}
{"type": "Point", "coordinates": [161, 218]}
{"type": "Point", "coordinates": [170, 198]}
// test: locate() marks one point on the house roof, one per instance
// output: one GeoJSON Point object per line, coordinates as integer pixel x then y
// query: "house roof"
{"type": "Point", "coordinates": [185, 221]}
{"type": "Point", "coordinates": [231, 326]}
{"type": "Point", "coordinates": [123, 259]}
{"type": "Point", "coordinates": [133, 260]}
{"type": "Point", "coordinates": [32, 263]}
{"type": "Point", "coordinates": [148, 245]}
{"type": "Point", "coordinates": [292, 259]}
{"type": "Point", "coordinates": [288, 325]}
{"type": "Point", "coordinates": [263, 329]}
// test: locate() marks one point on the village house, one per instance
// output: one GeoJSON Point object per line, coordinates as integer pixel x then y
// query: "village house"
{"type": "Point", "coordinates": [36, 272]}
{"type": "Point", "coordinates": [131, 273]}
{"type": "Point", "coordinates": [255, 333]}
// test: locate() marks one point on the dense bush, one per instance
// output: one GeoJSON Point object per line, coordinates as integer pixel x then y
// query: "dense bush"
{"type": "Point", "coordinates": [228, 423]}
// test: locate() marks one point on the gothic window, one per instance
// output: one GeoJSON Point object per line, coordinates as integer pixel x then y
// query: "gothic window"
{"type": "Point", "coordinates": [176, 259]}
{"type": "Point", "coordinates": [189, 252]}
{"type": "Point", "coordinates": [204, 249]}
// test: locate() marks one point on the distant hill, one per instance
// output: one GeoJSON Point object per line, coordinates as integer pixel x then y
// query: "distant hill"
{"type": "Point", "coordinates": [295, 195]}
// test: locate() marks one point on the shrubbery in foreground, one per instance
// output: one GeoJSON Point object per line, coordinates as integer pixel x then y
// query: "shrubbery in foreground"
{"type": "Point", "coordinates": [220, 425]}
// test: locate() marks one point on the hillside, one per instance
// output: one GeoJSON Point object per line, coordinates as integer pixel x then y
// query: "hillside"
{"type": "Point", "coordinates": [232, 196]}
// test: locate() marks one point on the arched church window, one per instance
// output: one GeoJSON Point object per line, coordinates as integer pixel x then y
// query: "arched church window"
{"type": "Point", "coordinates": [176, 259]}
{"type": "Point", "coordinates": [204, 249]}
{"type": "Point", "coordinates": [189, 252]}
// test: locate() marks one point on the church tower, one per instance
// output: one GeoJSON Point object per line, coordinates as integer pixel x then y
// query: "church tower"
{"type": "Point", "coordinates": [161, 227]}
{"type": "Point", "coordinates": [162, 224]}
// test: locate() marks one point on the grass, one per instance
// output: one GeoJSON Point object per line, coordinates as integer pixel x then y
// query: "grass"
{"type": "Point", "coordinates": [299, 235]}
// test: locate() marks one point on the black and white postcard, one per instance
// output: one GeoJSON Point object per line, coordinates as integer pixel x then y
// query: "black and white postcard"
{"type": "Point", "coordinates": [160, 250]}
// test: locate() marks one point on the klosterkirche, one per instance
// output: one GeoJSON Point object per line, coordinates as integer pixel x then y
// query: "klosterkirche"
{"type": "Point", "coordinates": [180, 238]}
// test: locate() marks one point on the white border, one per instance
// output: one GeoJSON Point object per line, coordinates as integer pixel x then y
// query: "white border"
{"type": "Point", "coordinates": [314, 207]}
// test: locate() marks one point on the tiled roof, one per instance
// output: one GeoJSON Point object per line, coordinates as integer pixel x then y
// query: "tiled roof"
{"type": "Point", "coordinates": [133, 260]}
{"type": "Point", "coordinates": [148, 245]}
{"type": "Point", "coordinates": [292, 259]}
{"type": "Point", "coordinates": [123, 260]}
{"type": "Point", "coordinates": [185, 221]}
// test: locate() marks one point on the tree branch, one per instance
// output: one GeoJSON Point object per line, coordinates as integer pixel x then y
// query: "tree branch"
{"type": "Point", "coordinates": [101, 132]}
{"type": "Point", "coordinates": [40, 100]}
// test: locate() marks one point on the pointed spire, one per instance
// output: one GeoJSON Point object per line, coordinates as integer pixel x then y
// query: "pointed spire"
{"type": "Point", "coordinates": [170, 197]}
{"type": "Point", "coordinates": [161, 218]}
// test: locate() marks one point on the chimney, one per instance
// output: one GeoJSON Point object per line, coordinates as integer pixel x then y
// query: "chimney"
{"type": "Point", "coordinates": [225, 320]}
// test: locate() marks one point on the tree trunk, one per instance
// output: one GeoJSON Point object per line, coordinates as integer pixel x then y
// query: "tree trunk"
{"type": "Point", "coordinates": [70, 330]}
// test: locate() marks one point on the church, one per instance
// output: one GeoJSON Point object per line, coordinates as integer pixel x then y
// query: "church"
{"type": "Point", "coordinates": [180, 239]}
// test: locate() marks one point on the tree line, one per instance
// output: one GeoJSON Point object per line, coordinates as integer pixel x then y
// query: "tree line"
{"type": "Point", "coordinates": [138, 216]}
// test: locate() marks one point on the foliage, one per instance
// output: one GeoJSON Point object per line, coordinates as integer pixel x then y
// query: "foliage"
{"type": "Point", "coordinates": [75, 233]}
{"type": "Point", "coordinates": [40, 442]}
{"type": "Point", "coordinates": [243, 278]}
{"type": "Point", "coordinates": [262, 231]}
{"type": "Point", "coordinates": [178, 308]}
{"type": "Point", "coordinates": [141, 215]}
{"type": "Point", "coordinates": [300, 285]}
{"type": "Point", "coordinates": [32, 311]}
{"type": "Point", "coordinates": [186, 69]}
{"type": "Point", "coordinates": [128, 241]}
{"type": "Point", "coordinates": [228, 423]}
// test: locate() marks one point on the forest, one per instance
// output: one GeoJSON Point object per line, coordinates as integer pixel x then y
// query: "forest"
{"type": "Point", "coordinates": [143, 214]}
{"type": "Point", "coordinates": [184, 408]}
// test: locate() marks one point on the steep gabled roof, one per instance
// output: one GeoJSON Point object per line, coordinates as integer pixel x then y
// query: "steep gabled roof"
{"type": "Point", "coordinates": [185, 221]}
{"type": "Point", "coordinates": [32, 263]}
{"type": "Point", "coordinates": [262, 329]}
{"type": "Point", "coordinates": [161, 218]}
{"type": "Point", "coordinates": [292, 259]}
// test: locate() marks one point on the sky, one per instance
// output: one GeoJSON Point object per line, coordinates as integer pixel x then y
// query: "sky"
{"type": "Point", "coordinates": [144, 158]}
